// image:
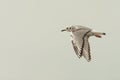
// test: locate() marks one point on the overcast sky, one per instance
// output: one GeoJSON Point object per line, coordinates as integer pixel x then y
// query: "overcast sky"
{"type": "Point", "coordinates": [33, 48]}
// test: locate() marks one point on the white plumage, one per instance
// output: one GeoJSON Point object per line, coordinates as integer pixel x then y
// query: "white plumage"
{"type": "Point", "coordinates": [80, 35]}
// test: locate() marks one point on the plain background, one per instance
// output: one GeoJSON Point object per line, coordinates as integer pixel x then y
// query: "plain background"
{"type": "Point", "coordinates": [33, 48]}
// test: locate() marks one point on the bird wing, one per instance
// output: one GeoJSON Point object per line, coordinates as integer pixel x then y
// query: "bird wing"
{"type": "Point", "coordinates": [86, 49]}
{"type": "Point", "coordinates": [81, 39]}
{"type": "Point", "coordinates": [76, 49]}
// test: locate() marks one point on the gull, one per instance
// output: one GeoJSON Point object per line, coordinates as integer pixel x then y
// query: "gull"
{"type": "Point", "coordinates": [80, 35]}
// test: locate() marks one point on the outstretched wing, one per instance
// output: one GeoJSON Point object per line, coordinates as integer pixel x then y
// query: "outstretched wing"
{"type": "Point", "coordinates": [86, 50]}
{"type": "Point", "coordinates": [76, 49]}
{"type": "Point", "coordinates": [81, 39]}
{"type": "Point", "coordinates": [78, 40]}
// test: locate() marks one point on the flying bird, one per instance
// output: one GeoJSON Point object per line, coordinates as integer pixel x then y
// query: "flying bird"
{"type": "Point", "coordinates": [80, 35]}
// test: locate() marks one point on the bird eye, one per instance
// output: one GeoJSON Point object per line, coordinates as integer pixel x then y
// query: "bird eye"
{"type": "Point", "coordinates": [67, 28]}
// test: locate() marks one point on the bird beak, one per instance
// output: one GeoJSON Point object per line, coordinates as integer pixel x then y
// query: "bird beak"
{"type": "Point", "coordinates": [63, 30]}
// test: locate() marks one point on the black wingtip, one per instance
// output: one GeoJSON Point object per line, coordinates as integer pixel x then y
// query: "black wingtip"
{"type": "Point", "coordinates": [104, 33]}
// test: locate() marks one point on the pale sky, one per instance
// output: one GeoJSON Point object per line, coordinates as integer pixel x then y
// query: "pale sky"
{"type": "Point", "coordinates": [33, 48]}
